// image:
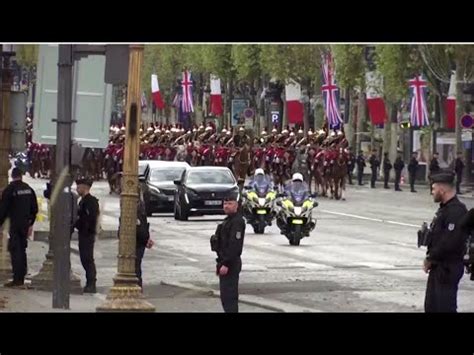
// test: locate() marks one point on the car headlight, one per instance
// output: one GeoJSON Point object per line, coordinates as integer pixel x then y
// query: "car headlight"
{"type": "Point", "coordinates": [155, 190]}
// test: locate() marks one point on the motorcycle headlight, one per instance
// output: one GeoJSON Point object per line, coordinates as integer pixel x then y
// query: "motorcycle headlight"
{"type": "Point", "coordinates": [262, 201]}
{"type": "Point", "coordinates": [298, 210]}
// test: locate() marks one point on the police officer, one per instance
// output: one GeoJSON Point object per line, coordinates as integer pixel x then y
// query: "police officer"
{"type": "Point", "coordinates": [351, 162]}
{"type": "Point", "coordinates": [360, 167]}
{"type": "Point", "coordinates": [458, 169]}
{"type": "Point", "coordinates": [398, 166]}
{"type": "Point", "coordinates": [387, 166]}
{"type": "Point", "coordinates": [446, 246]}
{"type": "Point", "coordinates": [412, 168]}
{"type": "Point", "coordinates": [88, 214]}
{"type": "Point", "coordinates": [228, 242]}
{"type": "Point", "coordinates": [18, 204]}
{"type": "Point", "coordinates": [374, 165]}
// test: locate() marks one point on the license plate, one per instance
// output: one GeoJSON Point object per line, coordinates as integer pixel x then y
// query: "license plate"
{"type": "Point", "coordinates": [297, 221]}
{"type": "Point", "coordinates": [212, 203]}
{"type": "Point", "coordinates": [170, 198]}
{"type": "Point", "coordinates": [261, 211]}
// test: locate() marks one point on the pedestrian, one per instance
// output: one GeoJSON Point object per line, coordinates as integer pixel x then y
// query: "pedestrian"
{"type": "Point", "coordinates": [458, 169]}
{"type": "Point", "coordinates": [446, 246]}
{"type": "Point", "coordinates": [143, 240]}
{"type": "Point", "coordinates": [228, 242]}
{"type": "Point", "coordinates": [351, 162]}
{"type": "Point", "coordinates": [86, 224]}
{"type": "Point", "coordinates": [398, 166]}
{"type": "Point", "coordinates": [360, 167]}
{"type": "Point", "coordinates": [20, 206]}
{"type": "Point", "coordinates": [374, 165]}
{"type": "Point", "coordinates": [434, 168]}
{"type": "Point", "coordinates": [412, 169]}
{"type": "Point", "coordinates": [387, 166]}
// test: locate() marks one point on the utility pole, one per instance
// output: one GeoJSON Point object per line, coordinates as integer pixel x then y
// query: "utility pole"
{"type": "Point", "coordinates": [125, 295]}
{"type": "Point", "coordinates": [62, 206]}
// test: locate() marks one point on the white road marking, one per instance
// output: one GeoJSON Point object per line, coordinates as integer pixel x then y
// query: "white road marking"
{"type": "Point", "coordinates": [370, 219]}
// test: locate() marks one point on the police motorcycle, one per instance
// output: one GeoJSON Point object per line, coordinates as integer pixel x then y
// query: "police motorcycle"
{"type": "Point", "coordinates": [22, 162]}
{"type": "Point", "coordinates": [259, 202]}
{"type": "Point", "coordinates": [295, 211]}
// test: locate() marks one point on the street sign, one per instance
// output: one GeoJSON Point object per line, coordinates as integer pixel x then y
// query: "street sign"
{"type": "Point", "coordinates": [466, 135]}
{"type": "Point", "coordinates": [92, 101]}
{"type": "Point", "coordinates": [467, 121]}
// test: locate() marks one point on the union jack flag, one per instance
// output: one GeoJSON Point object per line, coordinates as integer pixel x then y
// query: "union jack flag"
{"type": "Point", "coordinates": [330, 93]}
{"type": "Point", "coordinates": [419, 112]}
{"type": "Point", "coordinates": [187, 86]}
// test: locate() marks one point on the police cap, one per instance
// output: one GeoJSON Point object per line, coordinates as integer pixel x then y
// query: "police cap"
{"type": "Point", "coordinates": [444, 177]}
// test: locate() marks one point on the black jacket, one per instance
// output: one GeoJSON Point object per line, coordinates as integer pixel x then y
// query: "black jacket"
{"type": "Point", "coordinates": [448, 235]}
{"type": "Point", "coordinates": [458, 166]}
{"type": "Point", "coordinates": [387, 165]}
{"type": "Point", "coordinates": [231, 240]}
{"type": "Point", "coordinates": [19, 204]}
{"type": "Point", "coordinates": [88, 215]}
{"type": "Point", "coordinates": [351, 162]}
{"type": "Point", "coordinates": [434, 166]}
{"type": "Point", "coordinates": [413, 166]}
{"type": "Point", "coordinates": [360, 162]}
{"type": "Point", "coordinates": [399, 164]}
{"type": "Point", "coordinates": [374, 162]}
{"type": "Point", "coordinates": [143, 227]}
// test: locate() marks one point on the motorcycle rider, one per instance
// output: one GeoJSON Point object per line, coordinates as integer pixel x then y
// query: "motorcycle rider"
{"type": "Point", "coordinates": [260, 179]}
{"type": "Point", "coordinates": [297, 185]}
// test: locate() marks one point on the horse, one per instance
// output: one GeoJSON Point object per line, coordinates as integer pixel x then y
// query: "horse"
{"type": "Point", "coordinates": [241, 162]}
{"type": "Point", "coordinates": [338, 176]}
{"type": "Point", "coordinates": [300, 165]}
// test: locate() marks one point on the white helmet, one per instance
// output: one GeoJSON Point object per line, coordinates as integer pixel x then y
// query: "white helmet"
{"type": "Point", "coordinates": [297, 177]}
{"type": "Point", "coordinates": [300, 131]}
{"type": "Point", "coordinates": [208, 128]}
{"type": "Point", "coordinates": [224, 130]}
{"type": "Point", "coordinates": [259, 171]}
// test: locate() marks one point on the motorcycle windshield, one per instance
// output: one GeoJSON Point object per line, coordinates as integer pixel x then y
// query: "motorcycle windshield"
{"type": "Point", "coordinates": [261, 185]}
{"type": "Point", "coordinates": [298, 192]}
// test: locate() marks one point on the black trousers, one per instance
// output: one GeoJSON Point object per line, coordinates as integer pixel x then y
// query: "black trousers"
{"type": "Point", "coordinates": [229, 287]}
{"type": "Point", "coordinates": [86, 252]}
{"type": "Point", "coordinates": [398, 177]}
{"type": "Point", "coordinates": [412, 178]}
{"type": "Point", "coordinates": [386, 176]}
{"type": "Point", "coordinates": [138, 263]}
{"type": "Point", "coordinates": [458, 183]}
{"type": "Point", "coordinates": [373, 178]}
{"type": "Point", "coordinates": [442, 288]}
{"type": "Point", "coordinates": [349, 175]}
{"type": "Point", "coordinates": [17, 245]}
{"type": "Point", "coordinates": [360, 174]}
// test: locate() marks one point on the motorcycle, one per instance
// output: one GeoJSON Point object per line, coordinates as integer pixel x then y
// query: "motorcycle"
{"type": "Point", "coordinates": [21, 162]}
{"type": "Point", "coordinates": [259, 206]}
{"type": "Point", "coordinates": [294, 217]}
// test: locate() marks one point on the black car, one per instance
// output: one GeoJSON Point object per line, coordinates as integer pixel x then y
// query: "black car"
{"type": "Point", "coordinates": [201, 191]}
{"type": "Point", "coordinates": [159, 188]}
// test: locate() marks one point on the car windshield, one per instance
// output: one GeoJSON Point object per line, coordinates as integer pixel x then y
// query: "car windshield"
{"type": "Point", "coordinates": [166, 174]}
{"type": "Point", "coordinates": [210, 177]}
{"type": "Point", "coordinates": [141, 169]}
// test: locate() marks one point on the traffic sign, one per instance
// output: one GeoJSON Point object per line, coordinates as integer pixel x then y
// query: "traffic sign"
{"type": "Point", "coordinates": [467, 121]}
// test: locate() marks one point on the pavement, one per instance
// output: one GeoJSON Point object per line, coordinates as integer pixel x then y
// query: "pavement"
{"type": "Point", "coordinates": [361, 257]}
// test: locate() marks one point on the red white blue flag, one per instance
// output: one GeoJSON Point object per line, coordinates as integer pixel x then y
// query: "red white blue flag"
{"type": "Point", "coordinates": [330, 93]}
{"type": "Point", "coordinates": [187, 87]}
{"type": "Point", "coordinates": [419, 111]}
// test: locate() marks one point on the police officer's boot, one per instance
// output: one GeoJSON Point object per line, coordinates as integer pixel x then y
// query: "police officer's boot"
{"type": "Point", "coordinates": [90, 288]}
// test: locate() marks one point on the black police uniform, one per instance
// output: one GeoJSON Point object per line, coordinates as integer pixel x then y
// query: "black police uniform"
{"type": "Point", "coordinates": [458, 168]}
{"type": "Point", "coordinates": [446, 248]}
{"type": "Point", "coordinates": [88, 214]}
{"type": "Point", "coordinates": [360, 168]}
{"type": "Point", "coordinates": [412, 168]}
{"type": "Point", "coordinates": [142, 237]}
{"type": "Point", "coordinates": [230, 241]}
{"type": "Point", "coordinates": [350, 166]}
{"type": "Point", "coordinates": [374, 164]}
{"type": "Point", "coordinates": [19, 204]}
{"type": "Point", "coordinates": [387, 166]}
{"type": "Point", "coordinates": [398, 166]}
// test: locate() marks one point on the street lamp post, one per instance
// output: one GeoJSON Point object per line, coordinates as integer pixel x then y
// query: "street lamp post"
{"type": "Point", "coordinates": [6, 51]}
{"type": "Point", "coordinates": [126, 295]}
